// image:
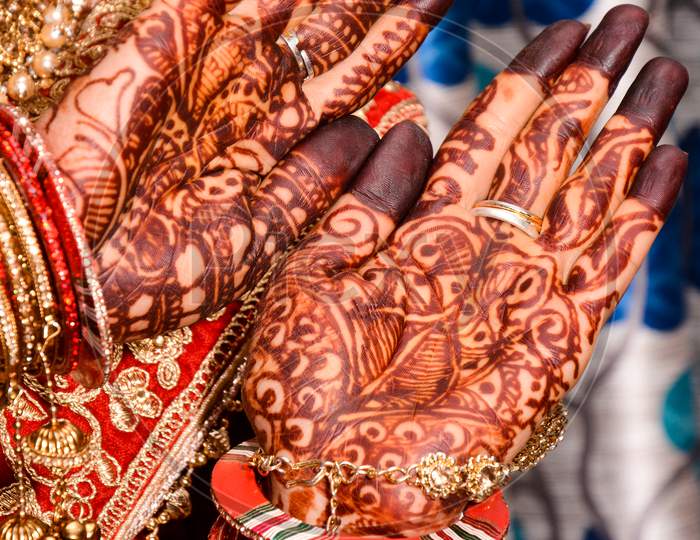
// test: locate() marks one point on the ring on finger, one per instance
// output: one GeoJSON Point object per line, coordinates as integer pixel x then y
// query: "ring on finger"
{"type": "Point", "coordinates": [516, 216]}
{"type": "Point", "coordinates": [303, 60]}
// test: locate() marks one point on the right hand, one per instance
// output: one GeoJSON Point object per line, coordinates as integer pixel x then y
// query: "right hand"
{"type": "Point", "coordinates": [386, 338]}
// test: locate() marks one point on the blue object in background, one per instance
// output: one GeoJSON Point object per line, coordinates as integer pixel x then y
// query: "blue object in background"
{"type": "Point", "coordinates": [665, 307]}
{"type": "Point", "coordinates": [690, 142]}
{"type": "Point", "coordinates": [664, 299]}
{"type": "Point", "coordinates": [538, 11]}
{"type": "Point", "coordinates": [679, 415]}
{"type": "Point", "coordinates": [445, 58]}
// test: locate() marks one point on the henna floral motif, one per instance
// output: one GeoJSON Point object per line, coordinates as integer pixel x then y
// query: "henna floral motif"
{"type": "Point", "coordinates": [457, 333]}
{"type": "Point", "coordinates": [169, 141]}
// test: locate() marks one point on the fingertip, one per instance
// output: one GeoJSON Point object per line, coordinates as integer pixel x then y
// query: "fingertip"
{"type": "Point", "coordinates": [660, 178]}
{"type": "Point", "coordinates": [341, 146]}
{"type": "Point", "coordinates": [392, 178]}
{"type": "Point", "coordinates": [552, 50]}
{"type": "Point", "coordinates": [355, 129]}
{"type": "Point", "coordinates": [410, 133]}
{"type": "Point", "coordinates": [655, 94]}
{"type": "Point", "coordinates": [612, 44]}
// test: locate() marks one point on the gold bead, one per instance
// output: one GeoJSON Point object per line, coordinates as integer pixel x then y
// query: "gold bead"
{"type": "Point", "coordinates": [55, 14]}
{"type": "Point", "coordinates": [178, 504]}
{"type": "Point", "coordinates": [73, 530]}
{"type": "Point", "coordinates": [45, 63]}
{"type": "Point", "coordinates": [199, 460]}
{"type": "Point", "coordinates": [92, 531]}
{"type": "Point", "coordinates": [21, 86]}
{"type": "Point", "coordinates": [22, 528]}
{"type": "Point", "coordinates": [52, 36]}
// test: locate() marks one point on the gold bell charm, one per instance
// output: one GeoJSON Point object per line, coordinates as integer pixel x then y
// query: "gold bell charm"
{"type": "Point", "coordinates": [72, 529]}
{"type": "Point", "coordinates": [60, 444]}
{"type": "Point", "coordinates": [20, 527]}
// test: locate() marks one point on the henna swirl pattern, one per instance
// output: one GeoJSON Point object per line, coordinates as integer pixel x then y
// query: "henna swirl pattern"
{"type": "Point", "coordinates": [457, 333]}
{"type": "Point", "coordinates": [173, 144]}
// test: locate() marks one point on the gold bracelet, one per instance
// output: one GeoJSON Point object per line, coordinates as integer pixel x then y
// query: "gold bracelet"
{"type": "Point", "coordinates": [22, 223]}
{"type": "Point", "coordinates": [8, 325]}
{"type": "Point", "coordinates": [20, 226]}
{"type": "Point", "coordinates": [25, 305]}
{"type": "Point", "coordinates": [437, 474]}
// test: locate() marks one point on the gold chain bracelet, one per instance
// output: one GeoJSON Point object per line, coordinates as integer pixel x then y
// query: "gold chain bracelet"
{"type": "Point", "coordinates": [437, 474]}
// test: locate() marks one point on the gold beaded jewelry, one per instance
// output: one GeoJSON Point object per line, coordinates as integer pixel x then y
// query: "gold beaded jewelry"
{"type": "Point", "coordinates": [24, 295]}
{"type": "Point", "coordinates": [437, 474]}
{"type": "Point", "coordinates": [8, 325]}
{"type": "Point", "coordinates": [21, 222]}
{"type": "Point", "coordinates": [33, 36]}
{"type": "Point", "coordinates": [21, 228]}
{"type": "Point", "coordinates": [59, 445]}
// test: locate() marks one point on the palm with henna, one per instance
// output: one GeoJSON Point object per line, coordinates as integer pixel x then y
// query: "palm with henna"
{"type": "Point", "coordinates": [172, 144]}
{"type": "Point", "coordinates": [406, 325]}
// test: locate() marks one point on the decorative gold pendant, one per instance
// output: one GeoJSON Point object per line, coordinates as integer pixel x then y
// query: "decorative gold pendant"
{"type": "Point", "coordinates": [439, 475]}
{"type": "Point", "coordinates": [60, 444]}
{"type": "Point", "coordinates": [22, 528]}
{"type": "Point", "coordinates": [483, 475]}
{"type": "Point", "coordinates": [72, 529]}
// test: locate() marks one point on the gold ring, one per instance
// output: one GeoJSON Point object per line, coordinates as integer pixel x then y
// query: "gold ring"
{"type": "Point", "coordinates": [291, 40]}
{"type": "Point", "coordinates": [520, 218]}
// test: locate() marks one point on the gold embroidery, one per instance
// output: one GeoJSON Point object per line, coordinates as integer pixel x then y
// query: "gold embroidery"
{"type": "Point", "coordinates": [164, 351]}
{"type": "Point", "coordinates": [80, 488]}
{"type": "Point", "coordinates": [130, 397]}
{"type": "Point", "coordinates": [216, 316]}
{"type": "Point", "coordinates": [29, 408]}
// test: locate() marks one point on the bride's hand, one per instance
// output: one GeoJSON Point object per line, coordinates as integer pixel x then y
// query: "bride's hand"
{"type": "Point", "coordinates": [168, 141]}
{"type": "Point", "coordinates": [458, 333]}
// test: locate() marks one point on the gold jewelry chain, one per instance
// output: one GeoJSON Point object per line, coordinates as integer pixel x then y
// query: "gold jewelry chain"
{"type": "Point", "coordinates": [437, 474]}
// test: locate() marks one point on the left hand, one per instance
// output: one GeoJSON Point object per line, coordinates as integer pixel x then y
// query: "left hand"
{"type": "Point", "coordinates": [167, 144]}
{"type": "Point", "coordinates": [384, 339]}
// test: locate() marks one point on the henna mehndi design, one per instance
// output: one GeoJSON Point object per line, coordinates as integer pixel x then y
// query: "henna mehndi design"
{"type": "Point", "coordinates": [169, 141]}
{"type": "Point", "coordinates": [457, 333]}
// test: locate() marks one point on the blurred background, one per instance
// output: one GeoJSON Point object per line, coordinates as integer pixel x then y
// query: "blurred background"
{"type": "Point", "coordinates": [629, 466]}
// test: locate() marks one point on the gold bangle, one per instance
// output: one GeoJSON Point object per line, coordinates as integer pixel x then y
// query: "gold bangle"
{"type": "Point", "coordinates": [17, 213]}
{"type": "Point", "coordinates": [25, 306]}
{"type": "Point", "coordinates": [20, 226]}
{"type": "Point", "coordinates": [9, 335]}
{"type": "Point", "coordinates": [437, 474]}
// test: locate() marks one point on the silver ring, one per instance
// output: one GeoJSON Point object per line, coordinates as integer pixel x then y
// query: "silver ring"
{"type": "Point", "coordinates": [291, 39]}
{"type": "Point", "coordinates": [514, 215]}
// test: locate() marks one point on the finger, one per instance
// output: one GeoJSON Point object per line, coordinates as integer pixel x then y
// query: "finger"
{"type": "Point", "coordinates": [211, 243]}
{"type": "Point", "coordinates": [333, 30]}
{"type": "Point", "coordinates": [269, 17]}
{"type": "Point", "coordinates": [591, 195]}
{"type": "Point", "coordinates": [361, 220]}
{"type": "Point", "coordinates": [290, 113]}
{"type": "Point", "coordinates": [467, 161]}
{"type": "Point", "coordinates": [387, 46]}
{"type": "Point", "coordinates": [602, 274]}
{"type": "Point", "coordinates": [543, 153]}
{"type": "Point", "coordinates": [300, 190]}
